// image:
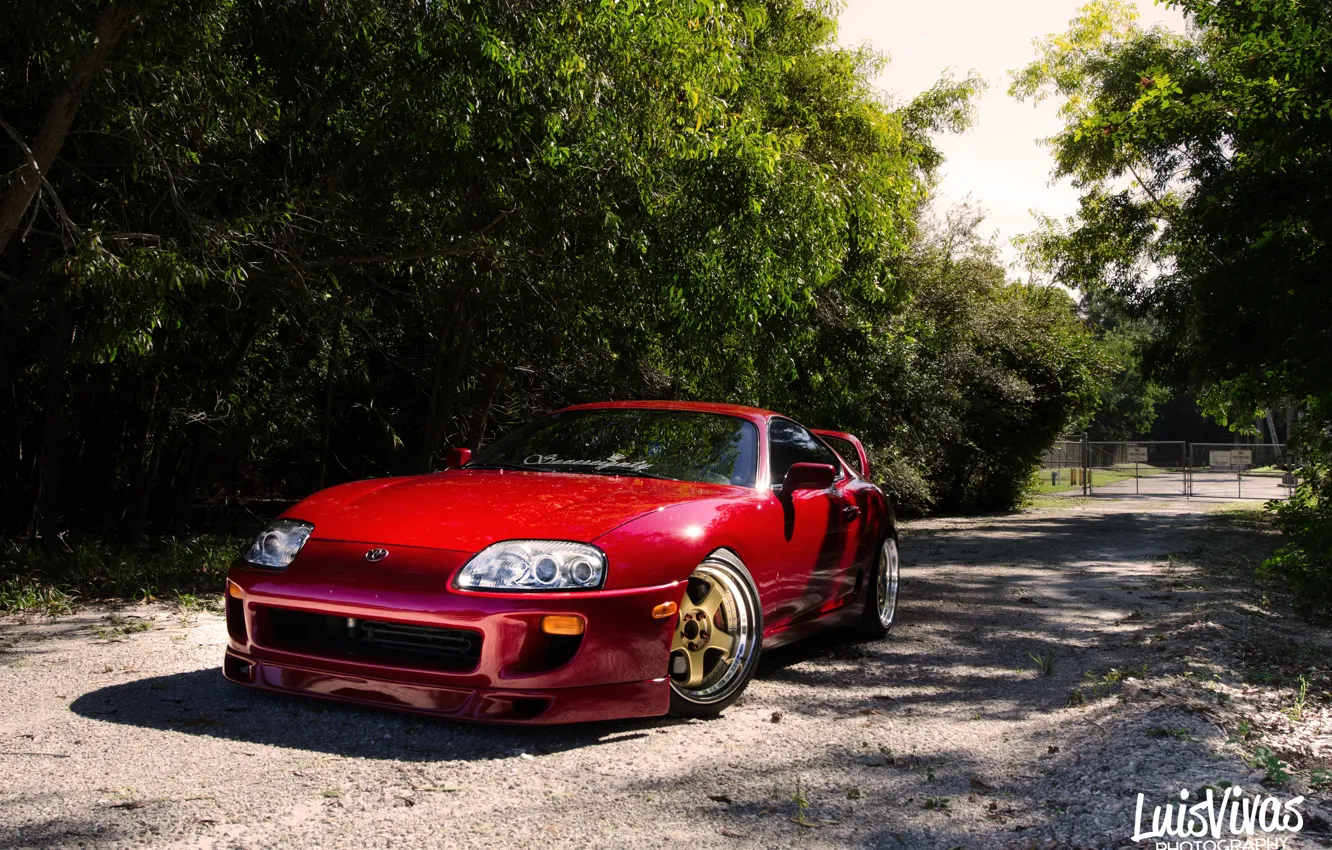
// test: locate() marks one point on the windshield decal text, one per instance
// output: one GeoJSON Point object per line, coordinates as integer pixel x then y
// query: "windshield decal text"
{"type": "Point", "coordinates": [615, 461]}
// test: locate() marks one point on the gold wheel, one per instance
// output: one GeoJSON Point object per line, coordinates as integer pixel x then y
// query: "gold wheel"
{"type": "Point", "coordinates": [715, 641]}
{"type": "Point", "coordinates": [702, 630]}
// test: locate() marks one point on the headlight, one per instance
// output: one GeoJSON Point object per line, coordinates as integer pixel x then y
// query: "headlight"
{"type": "Point", "coordinates": [277, 545]}
{"type": "Point", "coordinates": [534, 565]}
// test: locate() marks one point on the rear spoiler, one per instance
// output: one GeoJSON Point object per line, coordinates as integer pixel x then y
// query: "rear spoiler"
{"type": "Point", "coordinates": [855, 443]}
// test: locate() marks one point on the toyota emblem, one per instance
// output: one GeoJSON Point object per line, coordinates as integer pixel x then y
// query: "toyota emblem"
{"type": "Point", "coordinates": [376, 555]}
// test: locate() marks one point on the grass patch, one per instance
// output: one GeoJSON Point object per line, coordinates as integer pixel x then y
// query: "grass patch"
{"type": "Point", "coordinates": [1040, 485]}
{"type": "Point", "coordinates": [52, 578]}
{"type": "Point", "coordinates": [1251, 517]}
{"type": "Point", "coordinates": [1048, 501]}
{"type": "Point", "coordinates": [1044, 663]}
{"type": "Point", "coordinates": [117, 626]}
{"type": "Point", "coordinates": [1169, 732]}
{"type": "Point", "coordinates": [25, 596]}
{"type": "Point", "coordinates": [1275, 771]}
{"type": "Point", "coordinates": [1096, 687]}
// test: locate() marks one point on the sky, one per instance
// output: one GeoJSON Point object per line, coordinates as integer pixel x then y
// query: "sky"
{"type": "Point", "coordinates": [999, 162]}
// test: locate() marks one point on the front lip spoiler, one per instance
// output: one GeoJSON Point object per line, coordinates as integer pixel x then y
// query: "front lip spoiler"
{"type": "Point", "coordinates": [537, 706]}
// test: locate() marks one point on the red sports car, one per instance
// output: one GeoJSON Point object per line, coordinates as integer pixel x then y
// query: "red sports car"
{"type": "Point", "coordinates": [625, 559]}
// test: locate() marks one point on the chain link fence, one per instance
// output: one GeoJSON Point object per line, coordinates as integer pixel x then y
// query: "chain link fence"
{"type": "Point", "coordinates": [1078, 466]}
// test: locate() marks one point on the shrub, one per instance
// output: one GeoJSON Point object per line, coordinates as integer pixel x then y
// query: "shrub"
{"type": "Point", "coordinates": [1305, 560]}
{"type": "Point", "coordinates": [44, 578]}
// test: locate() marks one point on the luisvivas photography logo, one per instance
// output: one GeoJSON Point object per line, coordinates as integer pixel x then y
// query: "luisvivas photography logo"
{"type": "Point", "coordinates": [1224, 819]}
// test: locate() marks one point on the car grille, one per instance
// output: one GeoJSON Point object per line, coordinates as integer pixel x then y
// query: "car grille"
{"type": "Point", "coordinates": [373, 641]}
{"type": "Point", "coordinates": [450, 643]}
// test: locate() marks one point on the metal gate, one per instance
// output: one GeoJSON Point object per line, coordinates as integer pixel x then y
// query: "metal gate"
{"type": "Point", "coordinates": [1254, 471]}
{"type": "Point", "coordinates": [1167, 468]}
{"type": "Point", "coordinates": [1144, 468]}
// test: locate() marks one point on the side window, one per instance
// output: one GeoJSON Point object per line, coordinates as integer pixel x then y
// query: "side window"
{"type": "Point", "coordinates": [847, 451]}
{"type": "Point", "coordinates": [789, 443]}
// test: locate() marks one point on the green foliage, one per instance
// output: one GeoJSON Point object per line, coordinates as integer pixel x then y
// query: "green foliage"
{"type": "Point", "coordinates": [25, 596]}
{"type": "Point", "coordinates": [1126, 408]}
{"type": "Point", "coordinates": [38, 578]}
{"type": "Point", "coordinates": [1223, 229]}
{"type": "Point", "coordinates": [1178, 732]}
{"type": "Point", "coordinates": [1096, 687]}
{"type": "Point", "coordinates": [304, 243]}
{"type": "Point", "coordinates": [1275, 771]}
{"type": "Point", "coordinates": [959, 388]}
{"type": "Point", "coordinates": [1305, 559]}
{"type": "Point", "coordinates": [977, 377]}
{"type": "Point", "coordinates": [1206, 205]}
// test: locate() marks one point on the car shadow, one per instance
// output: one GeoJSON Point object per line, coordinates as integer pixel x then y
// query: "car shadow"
{"type": "Point", "coordinates": [202, 702]}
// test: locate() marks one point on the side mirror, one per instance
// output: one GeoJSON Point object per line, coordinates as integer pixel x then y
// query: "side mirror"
{"type": "Point", "coordinates": [808, 476]}
{"type": "Point", "coordinates": [455, 458]}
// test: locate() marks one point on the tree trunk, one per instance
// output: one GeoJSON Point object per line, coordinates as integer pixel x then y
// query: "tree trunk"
{"type": "Point", "coordinates": [442, 387]}
{"type": "Point", "coordinates": [14, 304]}
{"type": "Point", "coordinates": [232, 370]}
{"type": "Point", "coordinates": [326, 427]}
{"type": "Point", "coordinates": [478, 430]}
{"type": "Point", "coordinates": [46, 501]}
{"type": "Point", "coordinates": [437, 429]}
{"type": "Point", "coordinates": [144, 495]}
{"type": "Point", "coordinates": [87, 495]}
{"type": "Point", "coordinates": [110, 27]}
{"type": "Point", "coordinates": [184, 503]}
{"type": "Point", "coordinates": [436, 381]}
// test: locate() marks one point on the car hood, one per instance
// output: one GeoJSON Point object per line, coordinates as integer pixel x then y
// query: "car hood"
{"type": "Point", "coordinates": [467, 510]}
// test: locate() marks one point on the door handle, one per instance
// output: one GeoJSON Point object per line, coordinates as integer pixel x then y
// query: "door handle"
{"type": "Point", "coordinates": [850, 512]}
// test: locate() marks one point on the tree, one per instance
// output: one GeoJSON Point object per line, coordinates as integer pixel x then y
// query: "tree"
{"type": "Point", "coordinates": [963, 384]}
{"type": "Point", "coordinates": [1205, 167]}
{"type": "Point", "coordinates": [1221, 233]}
{"type": "Point", "coordinates": [1127, 407]}
{"type": "Point", "coordinates": [301, 243]}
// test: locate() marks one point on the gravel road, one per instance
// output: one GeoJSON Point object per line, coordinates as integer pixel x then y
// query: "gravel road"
{"type": "Point", "coordinates": [117, 729]}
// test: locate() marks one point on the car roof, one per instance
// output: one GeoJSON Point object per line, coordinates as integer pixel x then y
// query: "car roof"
{"type": "Point", "coordinates": [698, 406]}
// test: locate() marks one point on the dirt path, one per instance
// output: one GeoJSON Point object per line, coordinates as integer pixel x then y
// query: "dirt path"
{"type": "Point", "coordinates": [116, 728]}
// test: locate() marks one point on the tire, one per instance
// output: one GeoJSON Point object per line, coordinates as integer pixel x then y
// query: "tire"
{"type": "Point", "coordinates": [718, 638]}
{"type": "Point", "coordinates": [881, 594]}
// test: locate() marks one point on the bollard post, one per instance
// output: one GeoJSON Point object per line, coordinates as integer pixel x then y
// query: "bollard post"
{"type": "Point", "coordinates": [1086, 460]}
{"type": "Point", "coordinates": [1188, 470]}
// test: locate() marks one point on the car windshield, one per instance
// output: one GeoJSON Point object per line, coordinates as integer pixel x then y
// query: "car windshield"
{"type": "Point", "coordinates": [681, 445]}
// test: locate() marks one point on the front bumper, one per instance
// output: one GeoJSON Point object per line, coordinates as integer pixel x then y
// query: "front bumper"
{"type": "Point", "coordinates": [518, 675]}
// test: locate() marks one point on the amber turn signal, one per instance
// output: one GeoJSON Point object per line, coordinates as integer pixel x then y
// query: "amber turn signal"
{"type": "Point", "coordinates": [234, 589]}
{"type": "Point", "coordinates": [562, 624]}
{"type": "Point", "coordinates": [664, 610]}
